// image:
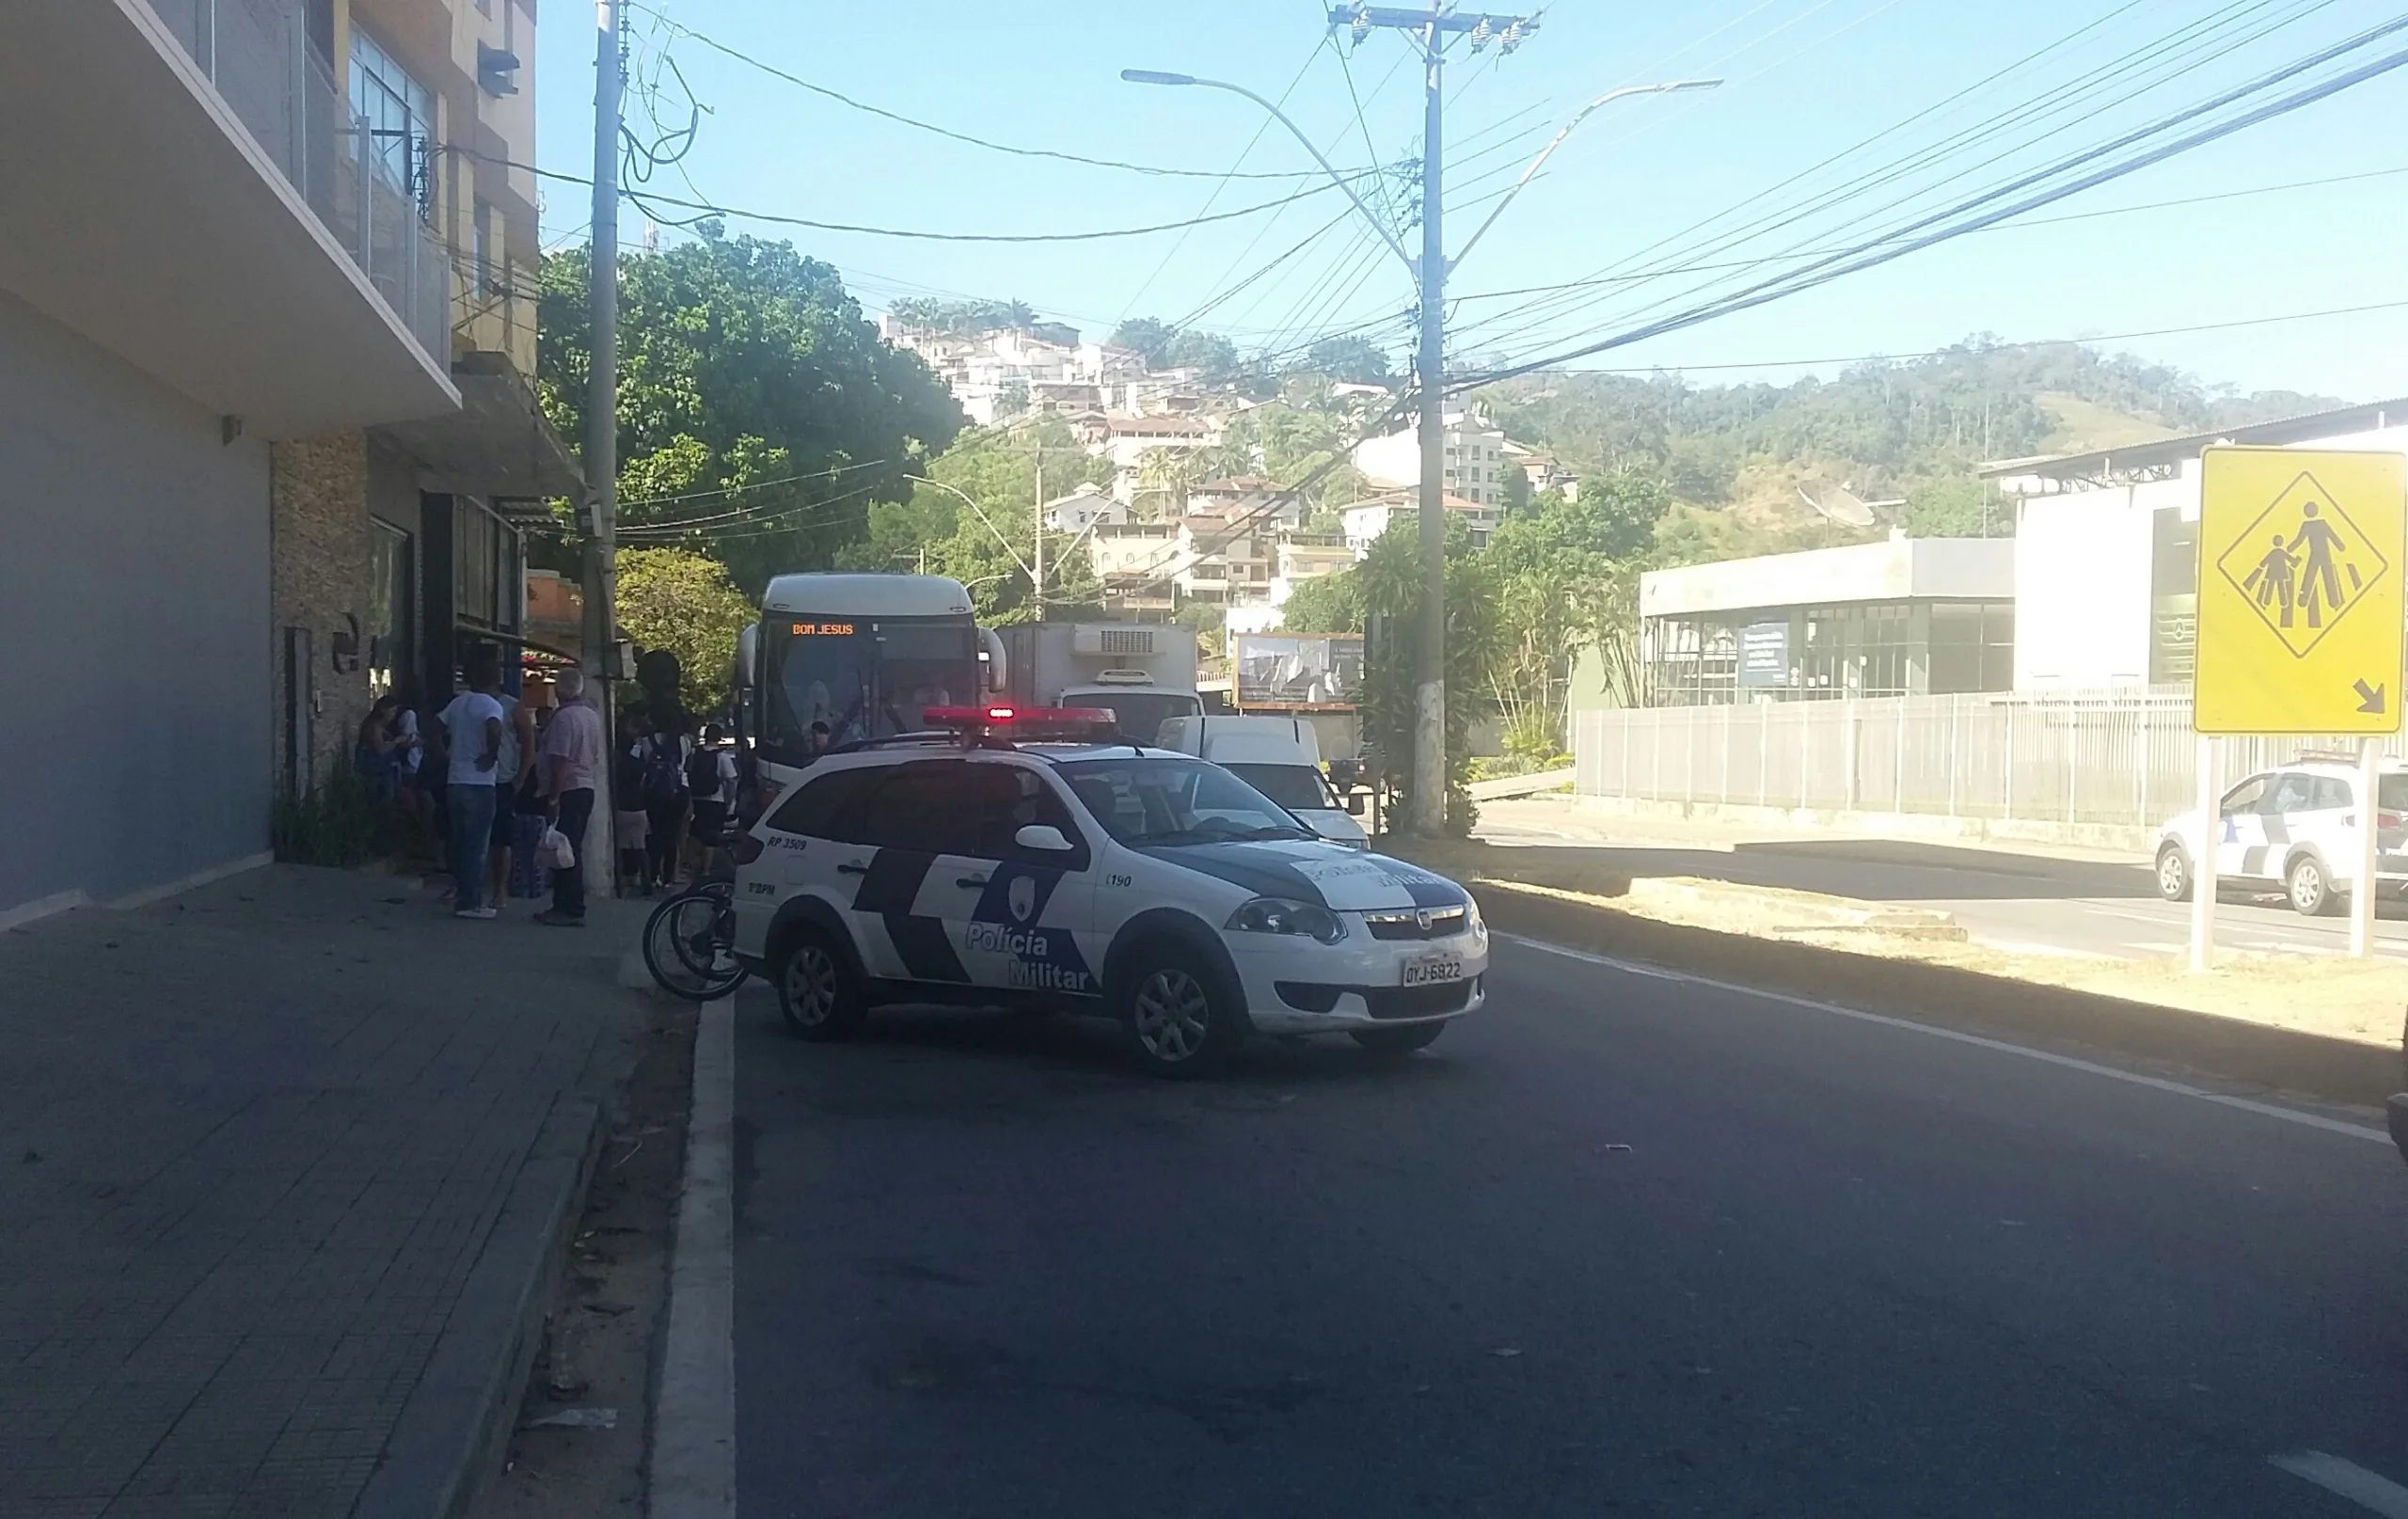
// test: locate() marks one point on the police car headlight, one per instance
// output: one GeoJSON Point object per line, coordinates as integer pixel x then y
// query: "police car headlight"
{"type": "Point", "coordinates": [1278, 915]}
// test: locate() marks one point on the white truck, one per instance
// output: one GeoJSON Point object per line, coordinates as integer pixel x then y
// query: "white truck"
{"type": "Point", "coordinates": [1279, 757]}
{"type": "Point", "coordinates": [1144, 672]}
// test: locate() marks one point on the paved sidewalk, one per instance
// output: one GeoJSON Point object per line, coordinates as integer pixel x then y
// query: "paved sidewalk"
{"type": "Point", "coordinates": [282, 1165]}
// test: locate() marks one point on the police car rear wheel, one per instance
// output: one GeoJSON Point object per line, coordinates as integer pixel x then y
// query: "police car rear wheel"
{"type": "Point", "coordinates": [816, 993]}
{"type": "Point", "coordinates": [1398, 1042]}
{"type": "Point", "coordinates": [1178, 1024]}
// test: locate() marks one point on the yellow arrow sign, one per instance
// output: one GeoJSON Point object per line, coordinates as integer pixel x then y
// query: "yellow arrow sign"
{"type": "Point", "coordinates": [2300, 607]}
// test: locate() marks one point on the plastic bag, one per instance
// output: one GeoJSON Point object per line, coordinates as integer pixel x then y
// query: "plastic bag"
{"type": "Point", "coordinates": [558, 854]}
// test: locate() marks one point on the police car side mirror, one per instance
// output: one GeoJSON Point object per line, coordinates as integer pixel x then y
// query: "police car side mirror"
{"type": "Point", "coordinates": [1354, 803]}
{"type": "Point", "coordinates": [1043, 836]}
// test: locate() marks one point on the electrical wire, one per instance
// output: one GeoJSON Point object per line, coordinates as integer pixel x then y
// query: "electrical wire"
{"type": "Point", "coordinates": [774, 220]}
{"type": "Point", "coordinates": [739, 56]}
{"type": "Point", "coordinates": [1885, 248]}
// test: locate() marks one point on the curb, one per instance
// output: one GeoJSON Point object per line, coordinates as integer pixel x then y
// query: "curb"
{"type": "Point", "coordinates": [1949, 997]}
{"type": "Point", "coordinates": [458, 1419]}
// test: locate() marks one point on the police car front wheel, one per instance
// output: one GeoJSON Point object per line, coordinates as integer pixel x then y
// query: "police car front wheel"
{"type": "Point", "coordinates": [816, 989]}
{"type": "Point", "coordinates": [1178, 1019]}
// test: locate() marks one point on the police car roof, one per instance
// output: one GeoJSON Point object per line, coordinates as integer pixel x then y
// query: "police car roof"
{"type": "Point", "coordinates": [1065, 750]}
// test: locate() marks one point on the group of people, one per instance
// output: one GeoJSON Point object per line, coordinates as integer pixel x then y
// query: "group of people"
{"type": "Point", "coordinates": [491, 774]}
{"type": "Point", "coordinates": [674, 795]}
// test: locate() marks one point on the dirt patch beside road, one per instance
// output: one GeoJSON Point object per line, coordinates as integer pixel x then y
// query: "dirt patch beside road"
{"type": "Point", "coordinates": [2309, 1024]}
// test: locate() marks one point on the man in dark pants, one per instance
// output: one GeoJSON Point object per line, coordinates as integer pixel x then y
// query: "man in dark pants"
{"type": "Point", "coordinates": [572, 752]}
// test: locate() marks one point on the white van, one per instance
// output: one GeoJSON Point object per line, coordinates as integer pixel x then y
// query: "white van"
{"type": "Point", "coordinates": [1279, 757]}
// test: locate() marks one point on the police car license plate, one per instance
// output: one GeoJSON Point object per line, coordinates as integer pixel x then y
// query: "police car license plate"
{"type": "Point", "coordinates": [1426, 969]}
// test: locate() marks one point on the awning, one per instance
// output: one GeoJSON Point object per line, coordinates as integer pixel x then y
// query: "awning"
{"type": "Point", "coordinates": [498, 446]}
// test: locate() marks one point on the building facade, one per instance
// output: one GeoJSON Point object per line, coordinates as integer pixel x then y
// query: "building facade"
{"type": "Point", "coordinates": [260, 451]}
{"type": "Point", "coordinates": [1476, 461]}
{"type": "Point", "coordinates": [1908, 617]}
{"type": "Point", "coordinates": [1363, 522]}
{"type": "Point", "coordinates": [2107, 548]}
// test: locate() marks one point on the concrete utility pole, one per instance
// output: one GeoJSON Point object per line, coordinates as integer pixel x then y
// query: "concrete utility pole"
{"type": "Point", "coordinates": [1431, 29]}
{"type": "Point", "coordinates": [1037, 574]}
{"type": "Point", "coordinates": [601, 443]}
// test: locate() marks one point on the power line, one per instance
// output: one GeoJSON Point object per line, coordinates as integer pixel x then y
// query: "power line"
{"type": "Point", "coordinates": [753, 485]}
{"type": "Point", "coordinates": [2003, 227]}
{"type": "Point", "coordinates": [1884, 249]}
{"type": "Point", "coordinates": [969, 138]}
{"type": "Point", "coordinates": [774, 220]}
{"type": "Point", "coordinates": [1990, 348]}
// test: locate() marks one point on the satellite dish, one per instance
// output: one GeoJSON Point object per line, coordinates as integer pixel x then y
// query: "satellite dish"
{"type": "Point", "coordinates": [1840, 505]}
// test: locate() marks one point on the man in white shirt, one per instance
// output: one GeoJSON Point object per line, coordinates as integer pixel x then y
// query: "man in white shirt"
{"type": "Point", "coordinates": [572, 754]}
{"type": "Point", "coordinates": [473, 738]}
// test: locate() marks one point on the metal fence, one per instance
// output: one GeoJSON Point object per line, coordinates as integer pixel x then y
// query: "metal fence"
{"type": "Point", "coordinates": [2111, 758]}
{"type": "Point", "coordinates": [256, 55]}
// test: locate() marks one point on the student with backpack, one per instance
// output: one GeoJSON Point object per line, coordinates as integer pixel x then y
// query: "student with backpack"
{"type": "Point", "coordinates": [667, 797]}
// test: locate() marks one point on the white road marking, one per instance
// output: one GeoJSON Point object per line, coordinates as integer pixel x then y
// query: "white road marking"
{"type": "Point", "coordinates": [693, 1427]}
{"type": "Point", "coordinates": [2347, 1480]}
{"type": "Point", "coordinates": [2308, 1120]}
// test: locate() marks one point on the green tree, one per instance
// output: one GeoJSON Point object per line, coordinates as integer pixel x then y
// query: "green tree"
{"type": "Point", "coordinates": [1957, 507]}
{"type": "Point", "coordinates": [1208, 352]}
{"type": "Point", "coordinates": [1149, 336]}
{"type": "Point", "coordinates": [671, 598]}
{"type": "Point", "coordinates": [1165, 476]}
{"type": "Point", "coordinates": [1330, 603]}
{"type": "Point", "coordinates": [1356, 359]}
{"type": "Point", "coordinates": [961, 319]}
{"type": "Point", "coordinates": [759, 414]}
{"type": "Point", "coordinates": [1391, 588]}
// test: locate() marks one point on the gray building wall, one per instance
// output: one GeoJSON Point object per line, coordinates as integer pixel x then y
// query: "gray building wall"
{"type": "Point", "coordinates": [133, 609]}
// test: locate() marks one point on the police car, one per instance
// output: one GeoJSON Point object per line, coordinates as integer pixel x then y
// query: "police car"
{"type": "Point", "coordinates": [981, 864]}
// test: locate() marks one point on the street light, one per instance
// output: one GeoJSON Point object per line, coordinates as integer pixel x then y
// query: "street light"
{"type": "Point", "coordinates": [1557, 141]}
{"type": "Point", "coordinates": [1155, 76]}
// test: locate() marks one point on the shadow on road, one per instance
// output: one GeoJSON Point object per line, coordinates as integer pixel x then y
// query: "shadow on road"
{"type": "Point", "coordinates": [1088, 1051]}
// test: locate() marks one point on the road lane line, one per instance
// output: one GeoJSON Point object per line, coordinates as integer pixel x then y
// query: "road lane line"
{"type": "Point", "coordinates": [2308, 1120]}
{"type": "Point", "coordinates": [693, 1425]}
{"type": "Point", "coordinates": [2347, 1480]}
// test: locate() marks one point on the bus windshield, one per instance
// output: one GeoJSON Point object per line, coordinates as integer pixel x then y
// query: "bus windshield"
{"type": "Point", "coordinates": [861, 678]}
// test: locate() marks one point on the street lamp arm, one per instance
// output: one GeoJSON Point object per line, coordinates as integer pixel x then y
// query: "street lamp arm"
{"type": "Point", "coordinates": [1151, 76]}
{"type": "Point", "coordinates": [1557, 141]}
{"type": "Point", "coordinates": [964, 500]}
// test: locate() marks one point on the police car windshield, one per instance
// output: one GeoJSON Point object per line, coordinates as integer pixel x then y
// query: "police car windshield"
{"type": "Point", "coordinates": [1176, 802]}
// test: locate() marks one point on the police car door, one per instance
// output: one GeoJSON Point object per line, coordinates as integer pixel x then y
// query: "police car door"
{"type": "Point", "coordinates": [1016, 912]}
{"type": "Point", "coordinates": [905, 870]}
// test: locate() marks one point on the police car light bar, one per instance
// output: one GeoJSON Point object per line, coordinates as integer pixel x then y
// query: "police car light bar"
{"type": "Point", "coordinates": [1029, 719]}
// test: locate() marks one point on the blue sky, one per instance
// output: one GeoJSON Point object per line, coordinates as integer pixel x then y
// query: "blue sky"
{"type": "Point", "coordinates": [1806, 78]}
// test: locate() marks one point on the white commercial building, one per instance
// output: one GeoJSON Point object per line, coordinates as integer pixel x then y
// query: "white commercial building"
{"type": "Point", "coordinates": [1364, 522]}
{"type": "Point", "coordinates": [1476, 461]}
{"type": "Point", "coordinates": [1907, 617]}
{"type": "Point", "coordinates": [2107, 550]}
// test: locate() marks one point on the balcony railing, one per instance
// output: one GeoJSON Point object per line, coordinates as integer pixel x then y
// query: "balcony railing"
{"type": "Point", "coordinates": [256, 55]}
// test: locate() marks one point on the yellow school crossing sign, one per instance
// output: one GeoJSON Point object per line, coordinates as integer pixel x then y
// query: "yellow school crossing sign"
{"type": "Point", "coordinates": [2300, 607]}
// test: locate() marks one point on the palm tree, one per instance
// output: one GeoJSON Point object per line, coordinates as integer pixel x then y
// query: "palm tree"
{"type": "Point", "coordinates": [1172, 472]}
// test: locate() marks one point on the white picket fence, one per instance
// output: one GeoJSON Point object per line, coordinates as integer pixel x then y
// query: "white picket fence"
{"type": "Point", "coordinates": [2119, 758]}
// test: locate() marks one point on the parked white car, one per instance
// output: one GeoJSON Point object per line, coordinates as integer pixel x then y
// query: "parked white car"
{"type": "Point", "coordinates": [1279, 757]}
{"type": "Point", "coordinates": [2294, 828]}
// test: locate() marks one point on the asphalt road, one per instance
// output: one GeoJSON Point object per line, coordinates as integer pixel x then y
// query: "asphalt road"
{"type": "Point", "coordinates": [2007, 898]}
{"type": "Point", "coordinates": [1620, 1244]}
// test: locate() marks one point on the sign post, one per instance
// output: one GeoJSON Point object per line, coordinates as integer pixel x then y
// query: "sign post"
{"type": "Point", "coordinates": [2300, 627]}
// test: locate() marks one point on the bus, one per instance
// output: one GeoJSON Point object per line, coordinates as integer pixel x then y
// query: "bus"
{"type": "Point", "coordinates": [862, 655]}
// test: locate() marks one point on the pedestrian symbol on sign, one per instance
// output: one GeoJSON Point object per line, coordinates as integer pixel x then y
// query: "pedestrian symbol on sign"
{"type": "Point", "coordinates": [2302, 564]}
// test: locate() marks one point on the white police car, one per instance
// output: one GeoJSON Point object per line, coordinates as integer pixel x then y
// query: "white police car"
{"type": "Point", "coordinates": [1138, 883]}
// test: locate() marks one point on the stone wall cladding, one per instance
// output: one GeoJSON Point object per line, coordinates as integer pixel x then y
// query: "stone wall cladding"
{"type": "Point", "coordinates": [319, 559]}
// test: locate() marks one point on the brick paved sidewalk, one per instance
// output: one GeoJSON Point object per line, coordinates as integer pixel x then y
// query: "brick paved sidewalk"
{"type": "Point", "coordinates": [281, 1164]}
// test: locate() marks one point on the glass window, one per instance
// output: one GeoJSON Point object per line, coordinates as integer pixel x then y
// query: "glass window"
{"type": "Point", "coordinates": [391, 607]}
{"type": "Point", "coordinates": [814, 810]}
{"type": "Point", "coordinates": [2391, 792]}
{"type": "Point", "coordinates": [2292, 794]}
{"type": "Point", "coordinates": [2246, 797]}
{"type": "Point", "coordinates": [927, 805]}
{"type": "Point", "coordinates": [1010, 797]}
{"type": "Point", "coordinates": [2331, 794]}
{"type": "Point", "coordinates": [1296, 787]}
{"type": "Point", "coordinates": [1168, 802]}
{"type": "Point", "coordinates": [395, 110]}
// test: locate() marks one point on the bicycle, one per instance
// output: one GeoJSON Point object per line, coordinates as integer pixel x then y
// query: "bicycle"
{"type": "Point", "coordinates": [690, 942]}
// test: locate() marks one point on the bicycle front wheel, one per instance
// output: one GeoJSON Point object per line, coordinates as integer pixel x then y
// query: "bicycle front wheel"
{"type": "Point", "coordinates": [689, 945]}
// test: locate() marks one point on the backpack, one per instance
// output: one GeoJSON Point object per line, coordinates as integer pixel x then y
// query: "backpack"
{"type": "Point", "coordinates": [702, 772]}
{"type": "Point", "coordinates": [664, 774]}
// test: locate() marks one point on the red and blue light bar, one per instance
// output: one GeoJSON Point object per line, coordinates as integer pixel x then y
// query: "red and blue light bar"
{"type": "Point", "coordinates": [1028, 721]}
